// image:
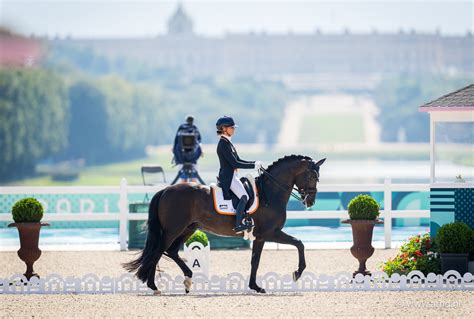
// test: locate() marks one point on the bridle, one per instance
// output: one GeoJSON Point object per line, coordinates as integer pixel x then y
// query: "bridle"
{"type": "Point", "coordinates": [302, 192]}
{"type": "Point", "coordinates": [305, 192]}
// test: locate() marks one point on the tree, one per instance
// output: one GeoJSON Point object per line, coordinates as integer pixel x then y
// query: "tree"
{"type": "Point", "coordinates": [33, 119]}
{"type": "Point", "coordinates": [88, 124]}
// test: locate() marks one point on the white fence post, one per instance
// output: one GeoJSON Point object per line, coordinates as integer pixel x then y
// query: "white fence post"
{"type": "Point", "coordinates": [387, 199]}
{"type": "Point", "coordinates": [123, 206]}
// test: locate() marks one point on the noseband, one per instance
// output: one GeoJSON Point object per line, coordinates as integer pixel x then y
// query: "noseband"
{"type": "Point", "coordinates": [303, 192]}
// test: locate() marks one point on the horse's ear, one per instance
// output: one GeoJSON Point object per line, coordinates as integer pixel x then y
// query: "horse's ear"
{"type": "Point", "coordinates": [320, 162]}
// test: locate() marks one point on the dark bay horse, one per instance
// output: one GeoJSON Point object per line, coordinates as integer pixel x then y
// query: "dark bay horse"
{"type": "Point", "coordinates": [178, 210]}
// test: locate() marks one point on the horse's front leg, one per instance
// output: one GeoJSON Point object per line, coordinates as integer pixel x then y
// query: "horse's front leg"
{"type": "Point", "coordinates": [256, 253]}
{"type": "Point", "coordinates": [282, 238]}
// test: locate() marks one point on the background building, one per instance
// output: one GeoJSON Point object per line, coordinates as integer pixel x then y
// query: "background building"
{"type": "Point", "coordinates": [314, 62]}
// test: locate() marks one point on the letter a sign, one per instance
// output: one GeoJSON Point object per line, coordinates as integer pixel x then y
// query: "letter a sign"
{"type": "Point", "coordinates": [197, 258]}
{"type": "Point", "coordinates": [196, 263]}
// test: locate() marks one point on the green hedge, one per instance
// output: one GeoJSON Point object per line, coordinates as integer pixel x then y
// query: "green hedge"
{"type": "Point", "coordinates": [454, 238]}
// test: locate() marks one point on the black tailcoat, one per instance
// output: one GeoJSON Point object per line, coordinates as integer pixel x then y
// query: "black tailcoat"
{"type": "Point", "coordinates": [229, 161]}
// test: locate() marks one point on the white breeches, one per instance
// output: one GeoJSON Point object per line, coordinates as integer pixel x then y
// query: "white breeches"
{"type": "Point", "coordinates": [237, 187]}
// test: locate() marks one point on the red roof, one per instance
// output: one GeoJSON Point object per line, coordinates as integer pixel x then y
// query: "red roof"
{"type": "Point", "coordinates": [19, 51]}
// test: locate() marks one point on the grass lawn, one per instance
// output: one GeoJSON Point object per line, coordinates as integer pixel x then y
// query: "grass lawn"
{"type": "Point", "coordinates": [108, 174]}
{"type": "Point", "coordinates": [332, 128]}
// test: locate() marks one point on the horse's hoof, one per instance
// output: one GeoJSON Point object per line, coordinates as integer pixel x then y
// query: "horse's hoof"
{"type": "Point", "coordinates": [258, 289]}
{"type": "Point", "coordinates": [187, 284]}
{"type": "Point", "coordinates": [187, 291]}
{"type": "Point", "coordinates": [156, 293]}
{"type": "Point", "coordinates": [296, 275]}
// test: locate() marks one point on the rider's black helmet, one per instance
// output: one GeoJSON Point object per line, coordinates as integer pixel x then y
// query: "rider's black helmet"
{"type": "Point", "coordinates": [224, 121]}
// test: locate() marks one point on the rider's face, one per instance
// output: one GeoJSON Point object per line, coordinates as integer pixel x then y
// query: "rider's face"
{"type": "Point", "coordinates": [229, 130]}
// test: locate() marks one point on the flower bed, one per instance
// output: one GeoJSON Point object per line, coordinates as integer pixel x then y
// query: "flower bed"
{"type": "Point", "coordinates": [416, 254]}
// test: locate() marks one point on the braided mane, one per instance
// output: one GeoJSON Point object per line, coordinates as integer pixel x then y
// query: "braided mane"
{"type": "Point", "coordinates": [288, 158]}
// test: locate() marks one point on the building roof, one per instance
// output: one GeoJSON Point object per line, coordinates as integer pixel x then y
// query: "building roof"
{"type": "Point", "coordinates": [17, 50]}
{"type": "Point", "coordinates": [460, 100]}
{"type": "Point", "coordinates": [180, 22]}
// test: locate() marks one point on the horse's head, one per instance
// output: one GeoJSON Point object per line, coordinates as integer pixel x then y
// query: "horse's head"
{"type": "Point", "coordinates": [307, 181]}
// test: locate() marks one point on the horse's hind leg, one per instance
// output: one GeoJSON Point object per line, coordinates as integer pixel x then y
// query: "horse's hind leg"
{"type": "Point", "coordinates": [164, 245]}
{"type": "Point", "coordinates": [172, 253]}
{"type": "Point", "coordinates": [188, 274]}
{"type": "Point", "coordinates": [150, 282]}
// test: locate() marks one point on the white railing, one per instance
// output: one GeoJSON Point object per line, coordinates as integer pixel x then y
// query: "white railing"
{"type": "Point", "coordinates": [124, 215]}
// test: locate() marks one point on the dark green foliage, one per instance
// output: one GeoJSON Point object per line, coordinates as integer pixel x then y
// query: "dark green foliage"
{"type": "Point", "coordinates": [33, 119]}
{"type": "Point", "coordinates": [363, 207]}
{"type": "Point", "coordinates": [198, 236]}
{"type": "Point", "coordinates": [27, 210]}
{"type": "Point", "coordinates": [454, 238]}
{"type": "Point", "coordinates": [429, 264]}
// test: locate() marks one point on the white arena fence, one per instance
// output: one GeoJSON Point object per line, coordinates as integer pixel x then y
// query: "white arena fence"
{"type": "Point", "coordinates": [123, 216]}
{"type": "Point", "coordinates": [237, 283]}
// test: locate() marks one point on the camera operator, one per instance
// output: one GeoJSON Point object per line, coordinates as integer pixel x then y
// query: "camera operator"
{"type": "Point", "coordinates": [187, 143]}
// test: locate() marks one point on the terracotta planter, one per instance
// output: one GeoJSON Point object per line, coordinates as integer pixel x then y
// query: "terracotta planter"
{"type": "Point", "coordinates": [362, 231]}
{"type": "Point", "coordinates": [29, 238]}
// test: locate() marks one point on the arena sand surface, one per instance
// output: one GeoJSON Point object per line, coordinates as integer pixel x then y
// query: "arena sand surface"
{"type": "Point", "coordinates": [447, 304]}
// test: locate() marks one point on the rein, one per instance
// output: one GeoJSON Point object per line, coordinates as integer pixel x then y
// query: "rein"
{"type": "Point", "coordinates": [302, 193]}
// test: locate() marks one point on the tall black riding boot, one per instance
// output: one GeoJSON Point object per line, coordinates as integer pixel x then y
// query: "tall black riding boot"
{"type": "Point", "coordinates": [239, 216]}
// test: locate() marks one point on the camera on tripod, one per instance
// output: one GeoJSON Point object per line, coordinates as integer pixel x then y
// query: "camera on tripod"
{"type": "Point", "coordinates": [187, 151]}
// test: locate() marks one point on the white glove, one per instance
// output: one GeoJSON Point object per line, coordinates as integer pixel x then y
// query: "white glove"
{"type": "Point", "coordinates": [258, 165]}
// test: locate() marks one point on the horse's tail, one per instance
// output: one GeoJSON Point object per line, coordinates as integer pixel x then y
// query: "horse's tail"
{"type": "Point", "coordinates": [147, 259]}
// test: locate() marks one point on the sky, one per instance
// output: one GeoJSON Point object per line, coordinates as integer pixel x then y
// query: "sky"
{"type": "Point", "coordinates": [148, 18]}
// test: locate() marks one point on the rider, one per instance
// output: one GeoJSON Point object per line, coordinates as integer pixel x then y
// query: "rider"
{"type": "Point", "coordinates": [229, 163]}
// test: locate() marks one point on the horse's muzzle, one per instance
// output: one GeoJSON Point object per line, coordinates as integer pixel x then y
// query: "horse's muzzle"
{"type": "Point", "coordinates": [308, 202]}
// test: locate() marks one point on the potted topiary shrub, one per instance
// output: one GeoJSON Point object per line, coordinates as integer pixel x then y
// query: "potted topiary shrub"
{"type": "Point", "coordinates": [454, 242]}
{"type": "Point", "coordinates": [27, 214]}
{"type": "Point", "coordinates": [363, 212]}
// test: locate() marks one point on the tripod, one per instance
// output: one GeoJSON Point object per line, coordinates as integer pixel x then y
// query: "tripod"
{"type": "Point", "coordinates": [188, 173]}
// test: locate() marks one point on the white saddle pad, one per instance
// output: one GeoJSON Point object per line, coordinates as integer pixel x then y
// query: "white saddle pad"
{"type": "Point", "coordinates": [225, 207]}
